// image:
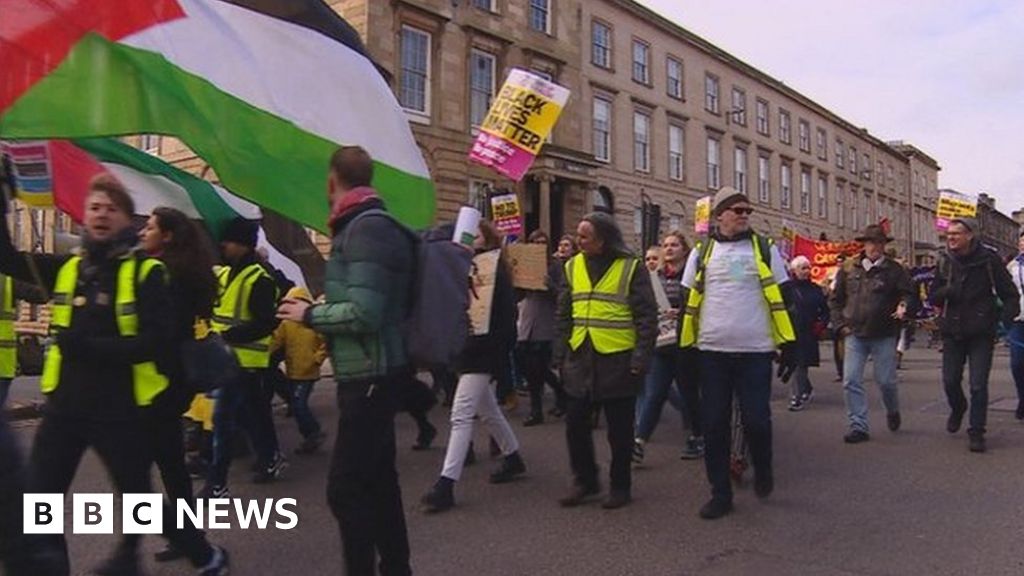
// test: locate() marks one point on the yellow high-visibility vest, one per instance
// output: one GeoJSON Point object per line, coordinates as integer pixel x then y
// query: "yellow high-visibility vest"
{"type": "Point", "coordinates": [8, 341]}
{"type": "Point", "coordinates": [233, 309]}
{"type": "Point", "coordinates": [147, 381]}
{"type": "Point", "coordinates": [602, 312]}
{"type": "Point", "coordinates": [782, 327]}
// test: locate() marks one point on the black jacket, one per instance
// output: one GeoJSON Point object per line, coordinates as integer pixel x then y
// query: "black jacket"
{"type": "Point", "coordinates": [96, 375]}
{"type": "Point", "coordinates": [864, 301]}
{"type": "Point", "coordinates": [966, 288]}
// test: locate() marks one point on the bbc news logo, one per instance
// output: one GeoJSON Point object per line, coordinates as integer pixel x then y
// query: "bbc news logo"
{"type": "Point", "coordinates": [144, 513]}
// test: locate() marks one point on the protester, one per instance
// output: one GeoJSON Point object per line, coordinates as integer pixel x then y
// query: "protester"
{"type": "Point", "coordinates": [114, 342]}
{"type": "Point", "coordinates": [368, 281]}
{"type": "Point", "coordinates": [669, 363]}
{"type": "Point", "coordinates": [970, 285]}
{"type": "Point", "coordinates": [245, 318]}
{"type": "Point", "coordinates": [566, 248]}
{"type": "Point", "coordinates": [1015, 337]}
{"type": "Point", "coordinates": [483, 358]}
{"type": "Point", "coordinates": [536, 329]}
{"type": "Point", "coordinates": [653, 259]}
{"type": "Point", "coordinates": [872, 295]}
{"type": "Point", "coordinates": [177, 241]}
{"type": "Point", "coordinates": [606, 326]}
{"type": "Point", "coordinates": [736, 317]}
{"type": "Point", "coordinates": [304, 352]}
{"type": "Point", "coordinates": [11, 291]}
{"type": "Point", "coordinates": [808, 311]}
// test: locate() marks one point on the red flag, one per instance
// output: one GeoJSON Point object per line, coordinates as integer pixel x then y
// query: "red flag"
{"type": "Point", "coordinates": [72, 170]}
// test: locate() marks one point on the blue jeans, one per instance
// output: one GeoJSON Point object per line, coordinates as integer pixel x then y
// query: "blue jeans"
{"type": "Point", "coordinates": [247, 399]}
{"type": "Point", "coordinates": [883, 352]}
{"type": "Point", "coordinates": [5, 388]}
{"type": "Point", "coordinates": [657, 388]}
{"type": "Point", "coordinates": [308, 425]}
{"type": "Point", "coordinates": [749, 377]}
{"type": "Point", "coordinates": [1016, 340]}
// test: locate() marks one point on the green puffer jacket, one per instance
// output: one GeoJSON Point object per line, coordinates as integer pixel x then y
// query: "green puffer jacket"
{"type": "Point", "coordinates": [367, 283]}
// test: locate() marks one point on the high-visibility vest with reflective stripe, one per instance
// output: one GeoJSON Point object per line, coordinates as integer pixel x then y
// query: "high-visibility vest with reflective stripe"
{"type": "Point", "coordinates": [233, 309]}
{"type": "Point", "coordinates": [147, 381]}
{"type": "Point", "coordinates": [782, 327]}
{"type": "Point", "coordinates": [8, 341]}
{"type": "Point", "coordinates": [602, 312]}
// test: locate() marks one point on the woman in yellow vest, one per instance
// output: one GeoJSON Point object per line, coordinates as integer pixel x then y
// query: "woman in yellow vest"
{"type": "Point", "coordinates": [111, 322]}
{"type": "Point", "coordinates": [606, 327]}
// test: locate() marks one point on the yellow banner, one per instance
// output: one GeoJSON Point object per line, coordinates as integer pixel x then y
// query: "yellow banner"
{"type": "Point", "coordinates": [521, 116]}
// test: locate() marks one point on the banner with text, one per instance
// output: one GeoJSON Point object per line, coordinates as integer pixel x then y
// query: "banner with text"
{"type": "Point", "coordinates": [519, 120]}
{"type": "Point", "coordinates": [505, 214]}
{"type": "Point", "coordinates": [954, 205]}
{"type": "Point", "coordinates": [824, 256]}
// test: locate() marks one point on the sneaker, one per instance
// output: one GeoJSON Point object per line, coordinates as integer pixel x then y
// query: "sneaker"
{"type": "Point", "coordinates": [425, 437]}
{"type": "Point", "coordinates": [715, 509]}
{"type": "Point", "coordinates": [310, 445]}
{"type": "Point", "coordinates": [512, 466]}
{"type": "Point", "coordinates": [616, 499]}
{"type": "Point", "coordinates": [694, 448]}
{"type": "Point", "coordinates": [976, 443]}
{"type": "Point", "coordinates": [956, 418]}
{"type": "Point", "coordinates": [271, 472]}
{"type": "Point", "coordinates": [219, 565]}
{"type": "Point", "coordinates": [213, 491]}
{"type": "Point", "coordinates": [806, 396]}
{"type": "Point", "coordinates": [197, 467]}
{"type": "Point", "coordinates": [579, 495]}
{"type": "Point", "coordinates": [557, 411]}
{"type": "Point", "coordinates": [170, 553]}
{"type": "Point", "coordinates": [893, 421]}
{"type": "Point", "coordinates": [638, 451]}
{"type": "Point", "coordinates": [440, 498]}
{"type": "Point", "coordinates": [796, 404]}
{"type": "Point", "coordinates": [856, 437]}
{"type": "Point", "coordinates": [534, 419]}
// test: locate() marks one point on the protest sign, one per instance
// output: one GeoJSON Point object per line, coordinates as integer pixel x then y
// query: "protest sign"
{"type": "Point", "coordinates": [702, 216]}
{"type": "Point", "coordinates": [529, 266]}
{"type": "Point", "coordinates": [31, 171]}
{"type": "Point", "coordinates": [519, 120]}
{"type": "Point", "coordinates": [824, 256]}
{"type": "Point", "coordinates": [481, 296]}
{"type": "Point", "coordinates": [667, 322]}
{"type": "Point", "coordinates": [954, 205]}
{"type": "Point", "coordinates": [505, 214]}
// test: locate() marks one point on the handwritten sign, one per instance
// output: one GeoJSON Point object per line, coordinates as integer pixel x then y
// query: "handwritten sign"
{"type": "Point", "coordinates": [529, 266]}
{"type": "Point", "coordinates": [702, 216]}
{"type": "Point", "coordinates": [954, 205]}
{"type": "Point", "coordinates": [519, 120]}
{"type": "Point", "coordinates": [481, 296]}
{"type": "Point", "coordinates": [505, 214]}
{"type": "Point", "coordinates": [667, 322]}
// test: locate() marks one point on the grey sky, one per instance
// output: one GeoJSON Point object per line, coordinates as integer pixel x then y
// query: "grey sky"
{"type": "Point", "coordinates": [944, 75]}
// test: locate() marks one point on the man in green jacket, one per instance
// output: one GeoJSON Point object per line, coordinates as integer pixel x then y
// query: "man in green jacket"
{"type": "Point", "coordinates": [368, 281]}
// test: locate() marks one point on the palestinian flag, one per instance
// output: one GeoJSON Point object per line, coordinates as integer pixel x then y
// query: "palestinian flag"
{"type": "Point", "coordinates": [153, 182]}
{"type": "Point", "coordinates": [263, 90]}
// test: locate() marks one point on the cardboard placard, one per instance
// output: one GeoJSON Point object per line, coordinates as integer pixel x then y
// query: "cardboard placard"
{"type": "Point", "coordinates": [481, 296]}
{"type": "Point", "coordinates": [529, 266]}
{"type": "Point", "coordinates": [667, 324]}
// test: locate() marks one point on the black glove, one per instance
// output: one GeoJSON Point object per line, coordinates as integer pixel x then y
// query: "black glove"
{"type": "Point", "coordinates": [73, 344]}
{"type": "Point", "coordinates": [787, 361]}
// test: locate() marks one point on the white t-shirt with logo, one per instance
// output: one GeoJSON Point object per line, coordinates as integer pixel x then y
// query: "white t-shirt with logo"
{"type": "Point", "coordinates": [734, 316]}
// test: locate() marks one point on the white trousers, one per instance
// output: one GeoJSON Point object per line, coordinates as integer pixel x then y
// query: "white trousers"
{"type": "Point", "coordinates": [475, 397]}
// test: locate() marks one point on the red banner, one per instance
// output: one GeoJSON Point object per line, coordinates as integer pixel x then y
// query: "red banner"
{"type": "Point", "coordinates": [823, 255]}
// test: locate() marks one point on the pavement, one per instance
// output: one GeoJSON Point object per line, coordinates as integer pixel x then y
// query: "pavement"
{"type": "Point", "coordinates": [915, 502]}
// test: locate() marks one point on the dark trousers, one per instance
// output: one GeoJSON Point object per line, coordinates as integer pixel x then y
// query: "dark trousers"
{"type": "Point", "coordinates": [536, 366]}
{"type": "Point", "coordinates": [247, 399]}
{"type": "Point", "coordinates": [308, 424]}
{"type": "Point", "coordinates": [362, 484]}
{"type": "Point", "coordinates": [168, 444]}
{"type": "Point", "coordinates": [956, 353]}
{"type": "Point", "coordinates": [838, 353]}
{"type": "Point", "coordinates": [62, 440]}
{"type": "Point", "coordinates": [620, 414]}
{"type": "Point", "coordinates": [749, 377]}
{"type": "Point", "coordinates": [688, 383]}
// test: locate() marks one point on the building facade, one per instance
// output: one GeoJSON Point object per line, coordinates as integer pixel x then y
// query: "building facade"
{"type": "Point", "coordinates": [997, 230]}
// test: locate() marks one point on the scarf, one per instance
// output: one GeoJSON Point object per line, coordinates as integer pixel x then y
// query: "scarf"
{"type": "Point", "coordinates": [348, 201]}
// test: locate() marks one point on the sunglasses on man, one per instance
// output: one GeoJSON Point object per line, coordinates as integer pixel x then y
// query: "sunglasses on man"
{"type": "Point", "coordinates": [741, 211]}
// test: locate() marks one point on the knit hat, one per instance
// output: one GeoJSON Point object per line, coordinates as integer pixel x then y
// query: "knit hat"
{"type": "Point", "coordinates": [970, 223]}
{"type": "Point", "coordinates": [241, 231]}
{"type": "Point", "coordinates": [726, 197]}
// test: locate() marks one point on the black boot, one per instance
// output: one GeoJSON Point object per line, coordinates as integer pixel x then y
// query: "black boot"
{"type": "Point", "coordinates": [511, 467]}
{"type": "Point", "coordinates": [441, 496]}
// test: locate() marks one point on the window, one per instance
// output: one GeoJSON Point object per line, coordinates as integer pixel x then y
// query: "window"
{"type": "Point", "coordinates": [414, 85]}
{"type": "Point", "coordinates": [739, 106]}
{"type": "Point", "coordinates": [821, 140]}
{"type": "Point", "coordinates": [674, 75]}
{"type": "Point", "coordinates": [866, 163]}
{"type": "Point", "coordinates": [805, 191]}
{"type": "Point", "coordinates": [805, 136]}
{"type": "Point", "coordinates": [786, 186]}
{"type": "Point", "coordinates": [478, 191]}
{"type": "Point", "coordinates": [762, 117]}
{"type": "Point", "coordinates": [853, 160]}
{"type": "Point", "coordinates": [840, 213]}
{"type": "Point", "coordinates": [675, 152]}
{"type": "Point", "coordinates": [481, 85]}
{"type": "Point", "coordinates": [822, 196]}
{"type": "Point", "coordinates": [711, 93]}
{"type": "Point", "coordinates": [540, 15]}
{"type": "Point", "coordinates": [147, 143]}
{"type": "Point", "coordinates": [840, 154]}
{"type": "Point", "coordinates": [739, 174]}
{"type": "Point", "coordinates": [785, 128]}
{"type": "Point", "coordinates": [763, 180]}
{"type": "Point", "coordinates": [641, 141]}
{"type": "Point", "coordinates": [889, 178]}
{"type": "Point", "coordinates": [714, 163]}
{"type": "Point", "coordinates": [485, 5]}
{"type": "Point", "coordinates": [641, 62]}
{"type": "Point", "coordinates": [600, 44]}
{"type": "Point", "coordinates": [853, 210]}
{"type": "Point", "coordinates": [602, 129]}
